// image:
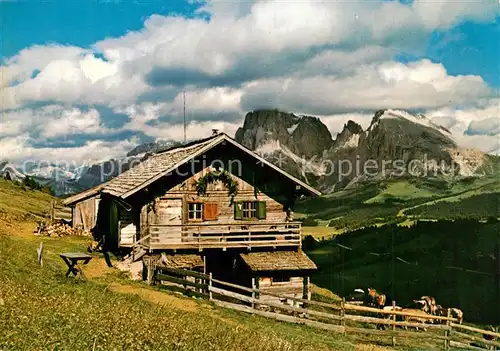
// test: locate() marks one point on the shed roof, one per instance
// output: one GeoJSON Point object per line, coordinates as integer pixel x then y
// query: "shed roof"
{"type": "Point", "coordinates": [165, 162]}
{"type": "Point", "coordinates": [278, 261]}
{"type": "Point", "coordinates": [83, 195]}
{"type": "Point", "coordinates": [181, 261]}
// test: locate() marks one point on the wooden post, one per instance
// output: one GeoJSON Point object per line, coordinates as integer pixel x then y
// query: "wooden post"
{"type": "Point", "coordinates": [133, 243]}
{"type": "Point", "coordinates": [52, 210]}
{"type": "Point", "coordinates": [39, 252]}
{"type": "Point", "coordinates": [306, 294]}
{"type": "Point", "coordinates": [253, 292]}
{"type": "Point", "coordinates": [394, 325]}
{"type": "Point", "coordinates": [257, 294]}
{"type": "Point", "coordinates": [205, 264]}
{"type": "Point", "coordinates": [210, 286]}
{"type": "Point", "coordinates": [447, 333]}
{"type": "Point", "coordinates": [342, 315]}
{"type": "Point", "coordinates": [149, 263]}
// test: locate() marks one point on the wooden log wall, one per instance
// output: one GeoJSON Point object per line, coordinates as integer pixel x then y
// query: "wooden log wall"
{"type": "Point", "coordinates": [217, 193]}
{"type": "Point", "coordinates": [58, 211]}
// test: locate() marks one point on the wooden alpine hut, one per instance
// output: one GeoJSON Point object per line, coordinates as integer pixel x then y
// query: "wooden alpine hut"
{"type": "Point", "coordinates": [214, 199]}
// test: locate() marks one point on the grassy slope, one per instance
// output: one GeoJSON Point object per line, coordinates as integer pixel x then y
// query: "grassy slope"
{"type": "Point", "coordinates": [400, 191]}
{"type": "Point", "coordinates": [41, 309]}
{"type": "Point", "coordinates": [395, 202]}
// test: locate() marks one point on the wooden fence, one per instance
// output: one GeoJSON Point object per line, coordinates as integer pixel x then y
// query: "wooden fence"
{"type": "Point", "coordinates": [339, 317]}
{"type": "Point", "coordinates": [58, 212]}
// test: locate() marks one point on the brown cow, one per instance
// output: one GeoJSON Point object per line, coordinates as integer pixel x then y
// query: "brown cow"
{"type": "Point", "coordinates": [415, 319]}
{"type": "Point", "coordinates": [431, 304]}
{"type": "Point", "coordinates": [454, 313]}
{"type": "Point", "coordinates": [378, 301]}
{"type": "Point", "coordinates": [375, 299]}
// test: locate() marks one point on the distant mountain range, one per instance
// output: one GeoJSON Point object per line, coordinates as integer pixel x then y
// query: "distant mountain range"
{"type": "Point", "coordinates": [304, 146]}
{"type": "Point", "coordinates": [396, 143]}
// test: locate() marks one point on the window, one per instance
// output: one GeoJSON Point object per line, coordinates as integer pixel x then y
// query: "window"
{"type": "Point", "coordinates": [195, 210]}
{"type": "Point", "coordinates": [281, 279]}
{"type": "Point", "coordinates": [249, 209]}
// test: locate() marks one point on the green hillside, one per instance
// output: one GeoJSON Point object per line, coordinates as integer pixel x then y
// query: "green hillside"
{"type": "Point", "coordinates": [41, 309]}
{"type": "Point", "coordinates": [454, 261]}
{"type": "Point", "coordinates": [400, 201]}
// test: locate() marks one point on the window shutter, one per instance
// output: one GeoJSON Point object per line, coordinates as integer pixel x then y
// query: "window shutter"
{"type": "Point", "coordinates": [261, 210]}
{"type": "Point", "coordinates": [210, 211]}
{"type": "Point", "coordinates": [238, 210]}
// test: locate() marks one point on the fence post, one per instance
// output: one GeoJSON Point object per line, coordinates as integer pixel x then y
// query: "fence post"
{"type": "Point", "coordinates": [342, 315]}
{"type": "Point", "coordinates": [52, 210]}
{"type": "Point", "coordinates": [447, 332]}
{"type": "Point", "coordinates": [394, 325]}
{"type": "Point", "coordinates": [133, 244]}
{"type": "Point", "coordinates": [210, 286]}
{"type": "Point", "coordinates": [253, 292]}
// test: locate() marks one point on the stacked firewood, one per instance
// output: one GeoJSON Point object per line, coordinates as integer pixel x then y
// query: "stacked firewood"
{"type": "Point", "coordinates": [59, 229]}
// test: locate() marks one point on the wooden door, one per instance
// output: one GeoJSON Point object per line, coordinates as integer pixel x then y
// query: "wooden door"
{"type": "Point", "coordinates": [170, 216]}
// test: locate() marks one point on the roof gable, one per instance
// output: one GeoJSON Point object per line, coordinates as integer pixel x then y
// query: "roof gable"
{"type": "Point", "coordinates": [161, 164]}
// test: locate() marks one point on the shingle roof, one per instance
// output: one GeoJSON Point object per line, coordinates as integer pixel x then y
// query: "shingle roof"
{"type": "Point", "coordinates": [83, 195]}
{"type": "Point", "coordinates": [160, 164]}
{"type": "Point", "coordinates": [180, 261]}
{"type": "Point", "coordinates": [150, 168]}
{"type": "Point", "coordinates": [278, 261]}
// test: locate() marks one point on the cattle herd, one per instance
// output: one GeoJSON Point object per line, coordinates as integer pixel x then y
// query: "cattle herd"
{"type": "Point", "coordinates": [425, 306]}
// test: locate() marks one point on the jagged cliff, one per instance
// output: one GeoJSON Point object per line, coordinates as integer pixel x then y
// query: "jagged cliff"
{"type": "Point", "coordinates": [305, 136]}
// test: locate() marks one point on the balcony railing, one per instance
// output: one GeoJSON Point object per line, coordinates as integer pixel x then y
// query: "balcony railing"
{"type": "Point", "coordinates": [216, 235]}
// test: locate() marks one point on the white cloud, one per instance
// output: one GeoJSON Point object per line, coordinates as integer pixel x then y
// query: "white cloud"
{"type": "Point", "coordinates": [459, 120]}
{"type": "Point", "coordinates": [489, 126]}
{"type": "Point", "coordinates": [321, 58]}
{"type": "Point", "coordinates": [52, 121]}
{"type": "Point", "coordinates": [21, 66]}
{"type": "Point", "coordinates": [421, 84]}
{"type": "Point", "coordinates": [194, 130]}
{"type": "Point", "coordinates": [74, 121]}
{"type": "Point", "coordinates": [19, 149]}
{"type": "Point", "coordinates": [83, 79]}
{"type": "Point", "coordinates": [335, 123]}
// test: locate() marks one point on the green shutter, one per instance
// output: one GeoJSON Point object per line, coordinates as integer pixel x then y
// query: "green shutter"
{"type": "Point", "coordinates": [238, 210]}
{"type": "Point", "coordinates": [261, 210]}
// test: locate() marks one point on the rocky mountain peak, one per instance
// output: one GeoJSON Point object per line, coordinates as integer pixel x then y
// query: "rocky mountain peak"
{"type": "Point", "coordinates": [353, 127]}
{"type": "Point", "coordinates": [349, 136]}
{"type": "Point", "coordinates": [270, 130]}
{"type": "Point", "coordinates": [9, 172]}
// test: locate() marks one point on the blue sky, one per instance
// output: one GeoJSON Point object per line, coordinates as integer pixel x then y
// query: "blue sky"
{"type": "Point", "coordinates": [109, 75]}
{"type": "Point", "coordinates": [75, 22]}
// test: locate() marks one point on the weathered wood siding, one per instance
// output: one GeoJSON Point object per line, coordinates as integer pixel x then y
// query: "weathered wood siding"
{"type": "Point", "coordinates": [85, 213]}
{"type": "Point", "coordinates": [292, 288]}
{"type": "Point", "coordinates": [169, 212]}
{"type": "Point", "coordinates": [217, 193]}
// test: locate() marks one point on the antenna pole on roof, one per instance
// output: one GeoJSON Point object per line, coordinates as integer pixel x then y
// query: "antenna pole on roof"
{"type": "Point", "coordinates": [184, 95]}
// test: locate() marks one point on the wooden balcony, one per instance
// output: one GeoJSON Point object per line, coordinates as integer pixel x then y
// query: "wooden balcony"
{"type": "Point", "coordinates": [216, 235]}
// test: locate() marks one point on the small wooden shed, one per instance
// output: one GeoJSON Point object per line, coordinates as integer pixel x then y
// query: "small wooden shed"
{"type": "Point", "coordinates": [280, 272]}
{"type": "Point", "coordinates": [85, 207]}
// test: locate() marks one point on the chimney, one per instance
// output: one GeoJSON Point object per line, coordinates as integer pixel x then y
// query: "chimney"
{"type": "Point", "coordinates": [215, 132]}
